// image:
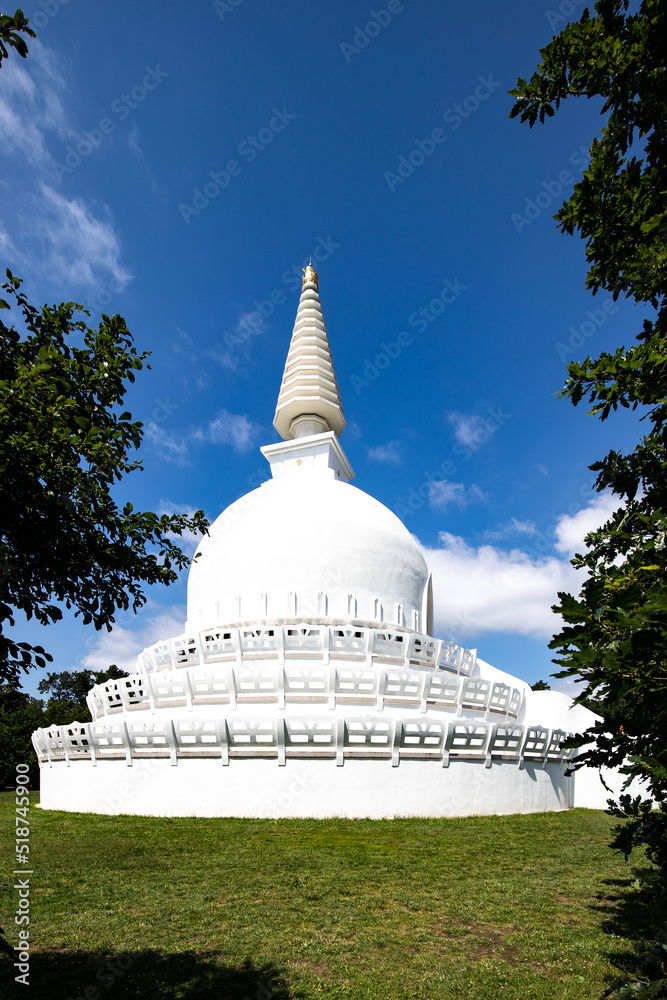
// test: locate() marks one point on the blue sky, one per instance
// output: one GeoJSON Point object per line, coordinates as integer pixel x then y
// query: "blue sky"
{"type": "Point", "coordinates": [179, 164]}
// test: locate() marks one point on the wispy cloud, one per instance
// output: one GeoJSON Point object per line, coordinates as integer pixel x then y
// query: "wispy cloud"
{"type": "Point", "coordinates": [230, 428]}
{"type": "Point", "coordinates": [133, 143]}
{"type": "Point", "coordinates": [233, 429]}
{"type": "Point", "coordinates": [510, 529]}
{"type": "Point", "coordinates": [173, 447]}
{"type": "Point", "coordinates": [468, 427]}
{"type": "Point", "coordinates": [122, 645]}
{"type": "Point", "coordinates": [389, 452]}
{"type": "Point", "coordinates": [80, 246]}
{"type": "Point", "coordinates": [31, 106]}
{"type": "Point", "coordinates": [443, 493]}
{"type": "Point", "coordinates": [234, 345]}
{"type": "Point", "coordinates": [53, 237]}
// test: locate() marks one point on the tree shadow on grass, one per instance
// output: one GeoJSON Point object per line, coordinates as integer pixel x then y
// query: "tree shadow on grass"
{"type": "Point", "coordinates": [635, 909]}
{"type": "Point", "coordinates": [151, 975]}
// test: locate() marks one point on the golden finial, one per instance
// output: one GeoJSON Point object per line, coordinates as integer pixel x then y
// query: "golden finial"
{"type": "Point", "coordinates": [310, 276]}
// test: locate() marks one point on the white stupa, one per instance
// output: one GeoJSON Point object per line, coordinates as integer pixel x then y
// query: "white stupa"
{"type": "Point", "coordinates": [307, 681]}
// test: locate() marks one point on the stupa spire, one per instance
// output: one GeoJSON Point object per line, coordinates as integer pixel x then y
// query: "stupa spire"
{"type": "Point", "coordinates": [309, 399]}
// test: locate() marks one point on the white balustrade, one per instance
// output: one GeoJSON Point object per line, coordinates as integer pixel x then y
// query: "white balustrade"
{"type": "Point", "coordinates": [476, 694]}
{"type": "Point", "coordinates": [506, 742]}
{"type": "Point", "coordinates": [390, 646]}
{"type": "Point", "coordinates": [418, 739]}
{"type": "Point", "coordinates": [402, 687]}
{"type": "Point", "coordinates": [279, 640]}
{"type": "Point", "coordinates": [230, 737]}
{"type": "Point", "coordinates": [535, 744]}
{"type": "Point", "coordinates": [307, 683]}
{"type": "Point", "coordinates": [229, 684]}
{"type": "Point", "coordinates": [356, 685]}
{"type": "Point", "coordinates": [444, 691]}
{"type": "Point", "coordinates": [423, 651]}
{"type": "Point", "coordinates": [467, 740]}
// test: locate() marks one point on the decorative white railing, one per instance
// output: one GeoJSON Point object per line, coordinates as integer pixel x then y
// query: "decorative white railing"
{"type": "Point", "coordinates": [317, 737]}
{"type": "Point", "coordinates": [333, 684]}
{"type": "Point", "coordinates": [314, 641]}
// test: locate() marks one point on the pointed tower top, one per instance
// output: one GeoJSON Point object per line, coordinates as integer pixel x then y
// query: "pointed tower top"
{"type": "Point", "coordinates": [309, 400]}
{"type": "Point", "coordinates": [309, 276]}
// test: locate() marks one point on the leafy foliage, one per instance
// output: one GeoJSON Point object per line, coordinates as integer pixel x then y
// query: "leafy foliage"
{"type": "Point", "coordinates": [11, 27]}
{"type": "Point", "coordinates": [67, 692]}
{"type": "Point", "coordinates": [615, 639]}
{"type": "Point", "coordinates": [619, 205]}
{"type": "Point", "coordinates": [64, 443]}
{"type": "Point", "coordinates": [20, 715]}
{"type": "Point", "coordinates": [615, 636]}
{"type": "Point", "coordinates": [646, 826]}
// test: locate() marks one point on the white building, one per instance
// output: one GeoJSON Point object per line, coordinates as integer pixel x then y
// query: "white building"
{"type": "Point", "coordinates": [307, 681]}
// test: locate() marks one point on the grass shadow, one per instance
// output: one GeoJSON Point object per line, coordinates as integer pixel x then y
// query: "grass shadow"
{"type": "Point", "coordinates": [68, 974]}
{"type": "Point", "coordinates": [635, 909]}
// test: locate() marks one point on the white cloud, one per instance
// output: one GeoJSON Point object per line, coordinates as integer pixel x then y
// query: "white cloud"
{"type": "Point", "coordinates": [235, 345]}
{"type": "Point", "coordinates": [173, 447]}
{"type": "Point", "coordinates": [565, 685]}
{"type": "Point", "coordinates": [31, 106]}
{"type": "Point", "coordinates": [468, 427]}
{"type": "Point", "coordinates": [510, 529]}
{"type": "Point", "coordinates": [389, 452]}
{"type": "Point", "coordinates": [63, 240]}
{"type": "Point", "coordinates": [488, 589]}
{"type": "Point", "coordinates": [6, 244]}
{"type": "Point", "coordinates": [442, 493]}
{"type": "Point", "coordinates": [80, 247]}
{"type": "Point", "coordinates": [235, 429]}
{"type": "Point", "coordinates": [133, 143]}
{"type": "Point", "coordinates": [571, 530]}
{"type": "Point", "coordinates": [186, 340]}
{"type": "Point", "coordinates": [230, 428]}
{"type": "Point", "coordinates": [122, 645]}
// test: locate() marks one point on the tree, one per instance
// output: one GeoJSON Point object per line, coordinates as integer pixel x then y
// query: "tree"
{"type": "Point", "coordinates": [11, 27]}
{"type": "Point", "coordinates": [64, 443]}
{"type": "Point", "coordinates": [540, 686]}
{"type": "Point", "coordinates": [615, 638]}
{"type": "Point", "coordinates": [68, 690]}
{"type": "Point", "coordinates": [21, 714]}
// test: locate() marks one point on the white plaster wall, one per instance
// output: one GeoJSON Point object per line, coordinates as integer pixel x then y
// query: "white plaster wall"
{"type": "Point", "coordinates": [307, 535]}
{"type": "Point", "coordinates": [304, 788]}
{"type": "Point", "coordinates": [556, 710]}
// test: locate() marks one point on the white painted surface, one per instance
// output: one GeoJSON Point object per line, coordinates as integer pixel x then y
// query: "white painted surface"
{"type": "Point", "coordinates": [304, 788]}
{"type": "Point", "coordinates": [309, 398]}
{"type": "Point", "coordinates": [302, 686]}
{"type": "Point", "coordinates": [315, 547]}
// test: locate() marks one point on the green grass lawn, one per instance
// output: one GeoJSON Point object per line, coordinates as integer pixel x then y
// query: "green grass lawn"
{"type": "Point", "coordinates": [519, 907]}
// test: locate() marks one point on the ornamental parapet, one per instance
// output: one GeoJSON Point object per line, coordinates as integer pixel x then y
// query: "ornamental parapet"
{"type": "Point", "coordinates": [334, 684]}
{"type": "Point", "coordinates": [282, 739]}
{"type": "Point", "coordinates": [285, 640]}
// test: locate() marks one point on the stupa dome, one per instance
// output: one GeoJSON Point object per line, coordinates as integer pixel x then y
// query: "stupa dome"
{"type": "Point", "coordinates": [308, 681]}
{"type": "Point", "coordinates": [306, 544]}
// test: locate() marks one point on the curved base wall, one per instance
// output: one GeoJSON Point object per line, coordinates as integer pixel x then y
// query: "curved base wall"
{"type": "Point", "coordinates": [305, 788]}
